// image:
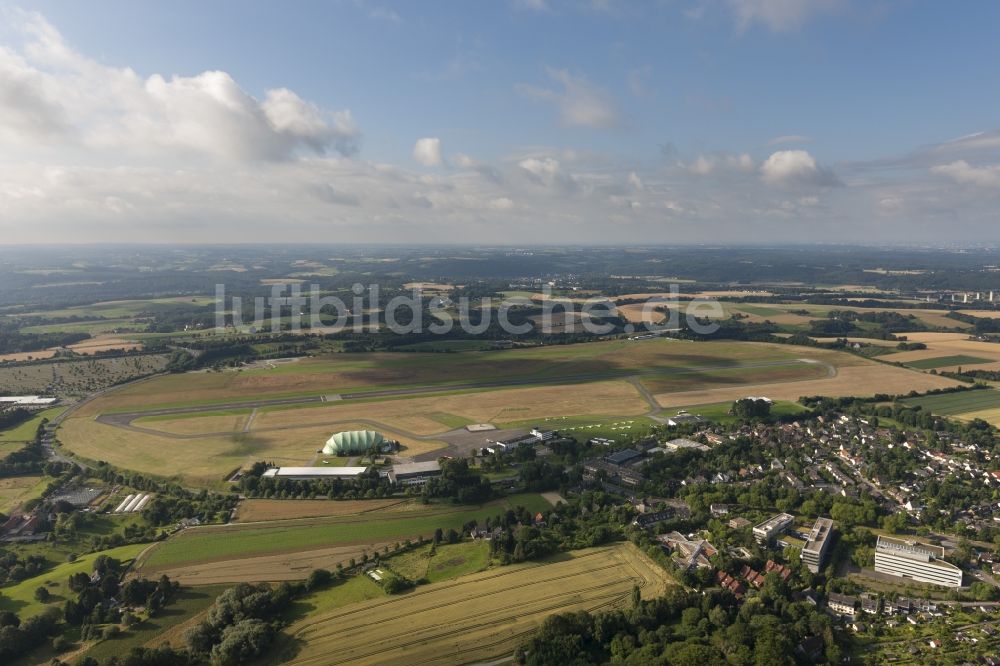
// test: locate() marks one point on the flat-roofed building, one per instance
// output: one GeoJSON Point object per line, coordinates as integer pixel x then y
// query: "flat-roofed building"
{"type": "Point", "coordinates": [814, 552]}
{"type": "Point", "coordinates": [772, 527]}
{"type": "Point", "coordinates": [27, 400]}
{"type": "Point", "coordinates": [915, 561]}
{"type": "Point", "coordinates": [414, 474]}
{"type": "Point", "coordinates": [309, 473]}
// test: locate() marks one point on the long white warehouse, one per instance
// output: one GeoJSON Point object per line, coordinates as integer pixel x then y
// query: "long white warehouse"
{"type": "Point", "coordinates": [916, 561]}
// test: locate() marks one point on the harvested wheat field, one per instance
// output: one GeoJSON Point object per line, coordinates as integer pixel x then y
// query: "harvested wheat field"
{"type": "Point", "coordinates": [295, 565]}
{"type": "Point", "coordinates": [429, 286]}
{"type": "Point", "coordinates": [860, 380]}
{"type": "Point", "coordinates": [104, 343]}
{"type": "Point", "coordinates": [946, 345]}
{"type": "Point", "coordinates": [645, 313]}
{"type": "Point", "coordinates": [477, 617]}
{"type": "Point", "coordinates": [17, 357]}
{"type": "Point", "coordinates": [252, 510]}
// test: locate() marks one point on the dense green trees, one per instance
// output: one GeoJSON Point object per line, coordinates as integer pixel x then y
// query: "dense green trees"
{"type": "Point", "coordinates": [683, 628]}
{"type": "Point", "coordinates": [751, 408]}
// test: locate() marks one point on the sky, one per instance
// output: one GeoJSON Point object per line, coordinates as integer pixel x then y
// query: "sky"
{"type": "Point", "coordinates": [505, 122]}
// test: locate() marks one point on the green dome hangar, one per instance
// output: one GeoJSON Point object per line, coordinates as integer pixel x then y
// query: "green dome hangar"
{"type": "Point", "coordinates": [357, 442]}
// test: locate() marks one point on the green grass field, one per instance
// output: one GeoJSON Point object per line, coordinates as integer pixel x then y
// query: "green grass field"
{"type": "Point", "coordinates": [955, 404]}
{"type": "Point", "coordinates": [95, 327]}
{"type": "Point", "coordinates": [691, 364]}
{"type": "Point", "coordinates": [947, 361]}
{"type": "Point", "coordinates": [352, 590]}
{"type": "Point", "coordinates": [219, 543]}
{"type": "Point", "coordinates": [447, 345]}
{"type": "Point", "coordinates": [719, 411]}
{"type": "Point", "coordinates": [20, 598]}
{"type": "Point", "coordinates": [450, 561]}
{"type": "Point", "coordinates": [126, 309]}
{"type": "Point", "coordinates": [25, 432]}
{"type": "Point", "coordinates": [188, 603]}
{"type": "Point", "coordinates": [17, 489]}
{"type": "Point", "coordinates": [618, 428]}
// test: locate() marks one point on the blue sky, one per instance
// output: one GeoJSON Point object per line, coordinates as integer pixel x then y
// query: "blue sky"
{"type": "Point", "coordinates": [606, 121]}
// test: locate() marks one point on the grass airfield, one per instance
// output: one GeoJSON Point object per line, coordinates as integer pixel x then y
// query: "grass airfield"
{"type": "Point", "coordinates": [199, 427]}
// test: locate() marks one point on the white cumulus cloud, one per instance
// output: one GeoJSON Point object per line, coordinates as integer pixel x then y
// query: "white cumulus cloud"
{"type": "Point", "coordinates": [794, 167]}
{"type": "Point", "coordinates": [963, 172]}
{"type": "Point", "coordinates": [49, 93]}
{"type": "Point", "coordinates": [427, 151]}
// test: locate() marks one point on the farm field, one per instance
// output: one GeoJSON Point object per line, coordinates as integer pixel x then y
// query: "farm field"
{"type": "Point", "coordinates": [18, 357]}
{"type": "Point", "coordinates": [288, 566]}
{"type": "Point", "coordinates": [124, 309]}
{"type": "Point", "coordinates": [868, 378]}
{"type": "Point", "coordinates": [983, 404]}
{"type": "Point", "coordinates": [475, 617]}
{"type": "Point", "coordinates": [254, 510]}
{"type": "Point", "coordinates": [944, 345]}
{"type": "Point", "coordinates": [17, 489]}
{"type": "Point", "coordinates": [792, 317]}
{"type": "Point", "coordinates": [218, 549]}
{"type": "Point", "coordinates": [957, 360]}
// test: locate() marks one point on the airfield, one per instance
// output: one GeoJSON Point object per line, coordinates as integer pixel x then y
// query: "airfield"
{"type": "Point", "coordinates": [201, 427]}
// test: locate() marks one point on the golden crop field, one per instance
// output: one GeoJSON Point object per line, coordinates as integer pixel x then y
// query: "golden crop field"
{"type": "Point", "coordinates": [251, 510]}
{"type": "Point", "coordinates": [641, 313]}
{"type": "Point", "coordinates": [942, 345]}
{"type": "Point", "coordinates": [295, 565]}
{"type": "Point", "coordinates": [475, 617]}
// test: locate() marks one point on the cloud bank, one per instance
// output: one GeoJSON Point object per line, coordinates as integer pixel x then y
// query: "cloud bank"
{"type": "Point", "coordinates": [97, 153]}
